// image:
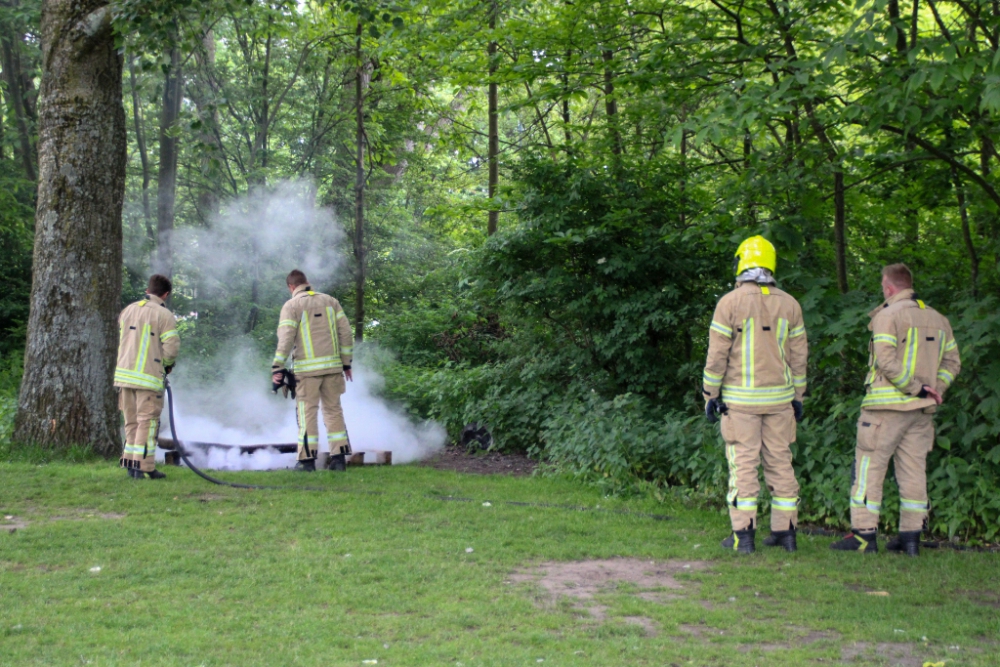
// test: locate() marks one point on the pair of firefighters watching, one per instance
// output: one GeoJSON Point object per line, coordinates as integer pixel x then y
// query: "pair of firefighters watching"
{"type": "Point", "coordinates": [313, 330]}
{"type": "Point", "coordinates": [755, 381]}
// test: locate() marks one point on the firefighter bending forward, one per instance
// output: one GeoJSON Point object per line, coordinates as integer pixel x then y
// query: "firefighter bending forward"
{"type": "Point", "coordinates": [314, 330]}
{"type": "Point", "coordinates": [914, 359]}
{"type": "Point", "coordinates": [147, 349]}
{"type": "Point", "coordinates": [757, 355]}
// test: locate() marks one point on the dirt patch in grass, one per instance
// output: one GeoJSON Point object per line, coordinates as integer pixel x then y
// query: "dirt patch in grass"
{"type": "Point", "coordinates": [582, 580]}
{"type": "Point", "coordinates": [11, 524]}
{"type": "Point", "coordinates": [887, 653]}
{"type": "Point", "coordinates": [480, 463]}
{"type": "Point", "coordinates": [983, 598]}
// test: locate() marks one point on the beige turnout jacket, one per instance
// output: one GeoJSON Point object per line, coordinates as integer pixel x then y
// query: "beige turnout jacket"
{"type": "Point", "coordinates": [757, 350]}
{"type": "Point", "coordinates": [314, 330]}
{"type": "Point", "coordinates": [912, 345]}
{"type": "Point", "coordinates": [147, 344]}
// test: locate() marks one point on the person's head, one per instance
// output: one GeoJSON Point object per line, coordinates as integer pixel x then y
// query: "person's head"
{"type": "Point", "coordinates": [755, 252]}
{"type": "Point", "coordinates": [296, 279]}
{"type": "Point", "coordinates": [895, 279]}
{"type": "Point", "coordinates": [159, 286]}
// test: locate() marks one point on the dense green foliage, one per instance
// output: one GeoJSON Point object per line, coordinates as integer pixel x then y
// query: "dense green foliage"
{"type": "Point", "coordinates": [639, 142]}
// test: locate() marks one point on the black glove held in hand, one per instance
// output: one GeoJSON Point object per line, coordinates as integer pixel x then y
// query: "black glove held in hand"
{"type": "Point", "coordinates": [797, 409]}
{"type": "Point", "coordinates": [712, 410]}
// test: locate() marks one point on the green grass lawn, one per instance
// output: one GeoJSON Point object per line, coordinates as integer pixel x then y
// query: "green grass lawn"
{"type": "Point", "coordinates": [379, 569]}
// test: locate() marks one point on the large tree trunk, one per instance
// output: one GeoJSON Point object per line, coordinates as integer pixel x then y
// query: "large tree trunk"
{"type": "Point", "coordinates": [359, 191]}
{"type": "Point", "coordinates": [493, 140]}
{"type": "Point", "coordinates": [166, 178]}
{"type": "Point", "coordinates": [840, 228]}
{"type": "Point", "coordinates": [66, 394]}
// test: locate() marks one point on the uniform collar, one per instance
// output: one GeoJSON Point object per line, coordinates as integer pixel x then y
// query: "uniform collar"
{"type": "Point", "coordinates": [301, 289]}
{"type": "Point", "coordinates": [152, 298]}
{"type": "Point", "coordinates": [902, 295]}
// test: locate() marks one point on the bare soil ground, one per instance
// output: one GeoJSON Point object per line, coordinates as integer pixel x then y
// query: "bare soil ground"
{"type": "Point", "coordinates": [475, 462]}
{"type": "Point", "coordinates": [582, 580]}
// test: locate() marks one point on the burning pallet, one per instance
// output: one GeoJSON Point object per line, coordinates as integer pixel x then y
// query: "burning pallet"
{"type": "Point", "coordinates": [379, 457]}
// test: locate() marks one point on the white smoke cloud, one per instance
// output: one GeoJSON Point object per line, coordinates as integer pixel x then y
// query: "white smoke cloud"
{"type": "Point", "coordinates": [261, 236]}
{"type": "Point", "coordinates": [242, 410]}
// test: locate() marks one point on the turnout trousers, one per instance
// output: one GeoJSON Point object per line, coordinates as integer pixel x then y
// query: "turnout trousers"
{"type": "Point", "coordinates": [750, 438]}
{"type": "Point", "coordinates": [141, 409]}
{"type": "Point", "coordinates": [905, 437]}
{"type": "Point", "coordinates": [310, 393]}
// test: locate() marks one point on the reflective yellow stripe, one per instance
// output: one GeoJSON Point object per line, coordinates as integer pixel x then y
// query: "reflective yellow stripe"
{"type": "Point", "coordinates": [889, 339]}
{"type": "Point", "coordinates": [129, 376]}
{"type": "Point", "coordinates": [764, 289]}
{"type": "Point", "coordinates": [306, 334]}
{"type": "Point", "coordinates": [909, 358]}
{"type": "Point", "coordinates": [952, 344]}
{"type": "Point", "coordinates": [143, 303]}
{"type": "Point", "coordinates": [140, 357]}
{"type": "Point", "coordinates": [748, 347]}
{"type": "Point", "coordinates": [784, 504]}
{"type": "Point", "coordinates": [711, 379]}
{"type": "Point", "coordinates": [341, 315]}
{"type": "Point", "coordinates": [760, 396]}
{"type": "Point", "coordinates": [797, 331]}
{"type": "Point", "coordinates": [858, 499]}
{"type": "Point", "coordinates": [782, 336]}
{"type": "Point", "coordinates": [722, 329]}
{"type": "Point", "coordinates": [317, 364]}
{"type": "Point", "coordinates": [746, 503]}
{"type": "Point", "coordinates": [731, 459]}
{"type": "Point", "coordinates": [288, 323]}
{"type": "Point", "coordinates": [912, 505]}
{"type": "Point", "coordinates": [945, 376]}
{"type": "Point", "coordinates": [799, 380]}
{"type": "Point", "coordinates": [886, 396]}
{"type": "Point", "coordinates": [921, 304]}
{"type": "Point", "coordinates": [167, 335]}
{"type": "Point", "coordinates": [348, 349]}
{"type": "Point", "coordinates": [940, 345]}
{"type": "Point", "coordinates": [337, 436]}
{"type": "Point", "coordinates": [330, 319]}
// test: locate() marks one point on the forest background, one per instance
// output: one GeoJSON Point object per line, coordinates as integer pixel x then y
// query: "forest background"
{"type": "Point", "coordinates": [539, 203]}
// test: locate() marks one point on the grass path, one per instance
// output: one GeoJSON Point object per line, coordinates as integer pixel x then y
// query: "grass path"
{"type": "Point", "coordinates": [380, 569]}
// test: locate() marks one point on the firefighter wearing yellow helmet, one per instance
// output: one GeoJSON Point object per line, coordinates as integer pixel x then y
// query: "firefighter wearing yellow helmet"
{"type": "Point", "coordinates": [754, 381]}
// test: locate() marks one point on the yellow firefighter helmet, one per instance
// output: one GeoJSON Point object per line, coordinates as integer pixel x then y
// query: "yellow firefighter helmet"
{"type": "Point", "coordinates": [755, 253]}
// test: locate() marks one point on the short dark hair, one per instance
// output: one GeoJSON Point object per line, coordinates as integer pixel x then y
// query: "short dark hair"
{"type": "Point", "coordinates": [899, 275]}
{"type": "Point", "coordinates": [159, 285]}
{"type": "Point", "coordinates": [296, 278]}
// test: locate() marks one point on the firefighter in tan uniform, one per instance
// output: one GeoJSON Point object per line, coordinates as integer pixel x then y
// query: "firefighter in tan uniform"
{"type": "Point", "coordinates": [147, 350]}
{"type": "Point", "coordinates": [914, 359]}
{"type": "Point", "coordinates": [755, 378]}
{"type": "Point", "coordinates": [314, 330]}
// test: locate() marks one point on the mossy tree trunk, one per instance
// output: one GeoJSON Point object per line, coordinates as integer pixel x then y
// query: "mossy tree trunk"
{"type": "Point", "coordinates": [66, 394]}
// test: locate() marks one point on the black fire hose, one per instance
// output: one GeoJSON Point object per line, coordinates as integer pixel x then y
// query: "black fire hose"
{"type": "Point", "coordinates": [179, 448]}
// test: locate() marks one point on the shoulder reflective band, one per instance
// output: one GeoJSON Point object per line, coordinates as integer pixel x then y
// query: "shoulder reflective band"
{"type": "Point", "coordinates": [888, 339]}
{"type": "Point", "coordinates": [143, 303]}
{"type": "Point", "coordinates": [167, 335]}
{"type": "Point", "coordinates": [311, 293]}
{"type": "Point", "coordinates": [288, 323]}
{"type": "Point", "coordinates": [764, 289]}
{"type": "Point", "coordinates": [921, 304]}
{"type": "Point", "coordinates": [797, 331]}
{"type": "Point", "coordinates": [721, 329]}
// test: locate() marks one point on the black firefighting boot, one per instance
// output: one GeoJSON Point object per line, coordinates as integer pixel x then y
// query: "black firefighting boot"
{"type": "Point", "coordinates": [865, 542]}
{"type": "Point", "coordinates": [337, 463]}
{"type": "Point", "coordinates": [134, 473]}
{"type": "Point", "coordinates": [305, 465]}
{"type": "Point", "coordinates": [156, 474]}
{"type": "Point", "coordinates": [781, 538]}
{"type": "Point", "coordinates": [740, 541]}
{"type": "Point", "coordinates": [905, 543]}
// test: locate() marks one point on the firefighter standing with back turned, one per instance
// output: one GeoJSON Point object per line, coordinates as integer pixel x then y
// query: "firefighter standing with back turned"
{"type": "Point", "coordinates": [314, 330]}
{"type": "Point", "coordinates": [147, 349]}
{"type": "Point", "coordinates": [914, 359]}
{"type": "Point", "coordinates": [757, 354]}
